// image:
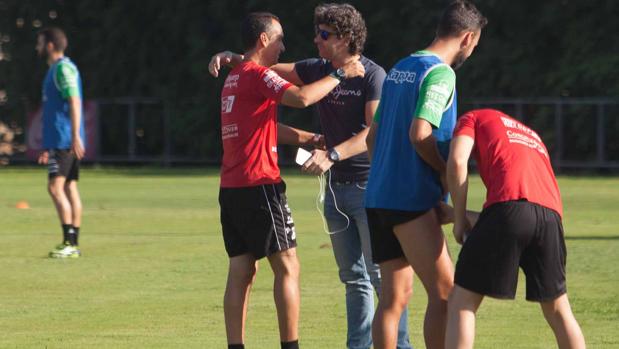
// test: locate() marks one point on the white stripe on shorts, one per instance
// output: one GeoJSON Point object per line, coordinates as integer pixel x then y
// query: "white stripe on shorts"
{"type": "Point", "coordinates": [272, 218]}
{"type": "Point", "coordinates": [283, 218]}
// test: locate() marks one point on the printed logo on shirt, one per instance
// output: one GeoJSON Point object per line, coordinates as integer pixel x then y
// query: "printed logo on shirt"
{"type": "Point", "coordinates": [232, 81]}
{"type": "Point", "coordinates": [514, 124]}
{"type": "Point", "coordinates": [340, 91]}
{"type": "Point", "coordinates": [436, 95]}
{"type": "Point", "coordinates": [226, 104]}
{"type": "Point", "coordinates": [401, 76]}
{"type": "Point", "coordinates": [229, 131]}
{"type": "Point", "coordinates": [273, 80]}
{"type": "Point", "coordinates": [523, 139]}
{"type": "Point", "coordinates": [70, 77]}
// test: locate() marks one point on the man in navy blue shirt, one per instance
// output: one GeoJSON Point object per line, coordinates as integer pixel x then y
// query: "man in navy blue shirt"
{"type": "Point", "coordinates": [345, 114]}
{"type": "Point", "coordinates": [63, 136]}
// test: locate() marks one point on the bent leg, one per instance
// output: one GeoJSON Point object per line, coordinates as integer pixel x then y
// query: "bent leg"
{"type": "Point", "coordinates": [559, 316]}
{"type": "Point", "coordinates": [463, 305]}
{"type": "Point", "coordinates": [241, 274]}
{"type": "Point", "coordinates": [395, 291]}
{"type": "Point", "coordinates": [373, 271]}
{"type": "Point", "coordinates": [286, 293]}
{"type": "Point", "coordinates": [424, 246]}
{"type": "Point", "coordinates": [55, 187]}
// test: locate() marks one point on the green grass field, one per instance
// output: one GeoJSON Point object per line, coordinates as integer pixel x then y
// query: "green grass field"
{"type": "Point", "coordinates": [154, 268]}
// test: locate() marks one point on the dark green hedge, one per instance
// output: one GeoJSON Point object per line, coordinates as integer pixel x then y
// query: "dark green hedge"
{"type": "Point", "coordinates": [160, 49]}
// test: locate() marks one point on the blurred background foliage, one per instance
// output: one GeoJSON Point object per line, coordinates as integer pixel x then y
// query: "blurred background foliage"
{"type": "Point", "coordinates": [160, 50]}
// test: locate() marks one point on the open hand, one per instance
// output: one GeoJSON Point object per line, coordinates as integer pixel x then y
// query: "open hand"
{"type": "Point", "coordinates": [43, 158]}
{"type": "Point", "coordinates": [77, 148]}
{"type": "Point", "coordinates": [219, 59]}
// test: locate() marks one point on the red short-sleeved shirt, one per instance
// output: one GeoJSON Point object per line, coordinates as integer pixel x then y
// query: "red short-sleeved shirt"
{"type": "Point", "coordinates": [513, 161]}
{"type": "Point", "coordinates": [249, 125]}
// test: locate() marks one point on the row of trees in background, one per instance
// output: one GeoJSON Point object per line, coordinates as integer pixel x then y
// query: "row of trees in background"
{"type": "Point", "coordinates": [160, 49]}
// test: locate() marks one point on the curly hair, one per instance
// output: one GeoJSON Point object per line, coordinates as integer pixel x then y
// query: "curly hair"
{"type": "Point", "coordinates": [346, 21]}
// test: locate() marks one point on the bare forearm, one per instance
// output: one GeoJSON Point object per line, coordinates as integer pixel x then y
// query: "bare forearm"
{"type": "Point", "coordinates": [428, 151]}
{"type": "Point", "coordinates": [457, 179]}
{"type": "Point", "coordinates": [353, 146]}
{"type": "Point", "coordinates": [75, 111]}
{"type": "Point", "coordinates": [301, 97]}
{"type": "Point", "coordinates": [293, 136]}
{"type": "Point", "coordinates": [235, 58]}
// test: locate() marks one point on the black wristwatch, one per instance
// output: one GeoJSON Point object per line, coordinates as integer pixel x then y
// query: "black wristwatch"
{"type": "Point", "coordinates": [339, 74]}
{"type": "Point", "coordinates": [333, 155]}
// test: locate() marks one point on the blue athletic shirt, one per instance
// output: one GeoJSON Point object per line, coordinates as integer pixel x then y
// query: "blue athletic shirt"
{"type": "Point", "coordinates": [61, 82]}
{"type": "Point", "coordinates": [399, 178]}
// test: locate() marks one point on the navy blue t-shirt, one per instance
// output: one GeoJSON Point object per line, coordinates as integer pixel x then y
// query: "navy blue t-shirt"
{"type": "Point", "coordinates": [342, 111]}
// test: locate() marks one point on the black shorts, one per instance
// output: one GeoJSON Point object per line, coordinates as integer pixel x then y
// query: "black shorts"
{"type": "Point", "coordinates": [62, 162]}
{"type": "Point", "coordinates": [256, 220]}
{"type": "Point", "coordinates": [385, 245]}
{"type": "Point", "coordinates": [511, 234]}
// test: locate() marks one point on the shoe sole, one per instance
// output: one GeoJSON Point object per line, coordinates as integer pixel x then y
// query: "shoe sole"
{"type": "Point", "coordinates": [63, 256]}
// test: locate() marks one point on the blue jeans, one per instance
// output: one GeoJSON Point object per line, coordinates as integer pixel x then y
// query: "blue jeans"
{"type": "Point", "coordinates": [353, 255]}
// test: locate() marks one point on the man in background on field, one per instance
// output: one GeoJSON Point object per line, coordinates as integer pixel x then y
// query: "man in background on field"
{"type": "Point", "coordinates": [63, 136]}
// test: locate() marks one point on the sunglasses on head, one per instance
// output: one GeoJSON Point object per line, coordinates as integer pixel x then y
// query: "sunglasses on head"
{"type": "Point", "coordinates": [324, 34]}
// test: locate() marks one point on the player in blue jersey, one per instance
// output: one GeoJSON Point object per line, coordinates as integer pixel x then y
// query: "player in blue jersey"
{"type": "Point", "coordinates": [63, 136]}
{"type": "Point", "coordinates": [408, 143]}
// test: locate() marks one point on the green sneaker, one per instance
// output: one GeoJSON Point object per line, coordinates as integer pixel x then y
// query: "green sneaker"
{"type": "Point", "coordinates": [65, 251]}
{"type": "Point", "coordinates": [60, 246]}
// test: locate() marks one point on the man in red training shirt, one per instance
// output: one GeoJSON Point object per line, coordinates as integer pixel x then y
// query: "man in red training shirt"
{"type": "Point", "coordinates": [519, 226]}
{"type": "Point", "coordinates": [255, 217]}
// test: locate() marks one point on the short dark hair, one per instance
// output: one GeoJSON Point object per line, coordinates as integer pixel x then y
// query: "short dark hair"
{"type": "Point", "coordinates": [253, 25]}
{"type": "Point", "coordinates": [460, 16]}
{"type": "Point", "coordinates": [56, 36]}
{"type": "Point", "coordinates": [346, 21]}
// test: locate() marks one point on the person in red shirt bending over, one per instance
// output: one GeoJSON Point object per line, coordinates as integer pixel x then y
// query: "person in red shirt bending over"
{"type": "Point", "coordinates": [519, 226]}
{"type": "Point", "coordinates": [255, 217]}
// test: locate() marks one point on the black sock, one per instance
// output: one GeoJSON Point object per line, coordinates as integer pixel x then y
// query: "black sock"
{"type": "Point", "coordinates": [75, 236]}
{"type": "Point", "coordinates": [66, 238]}
{"type": "Point", "coordinates": [236, 346]}
{"type": "Point", "coordinates": [290, 345]}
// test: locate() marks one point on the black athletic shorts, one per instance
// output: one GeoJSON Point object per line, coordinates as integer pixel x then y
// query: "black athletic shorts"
{"type": "Point", "coordinates": [508, 235]}
{"type": "Point", "coordinates": [256, 220]}
{"type": "Point", "coordinates": [62, 162]}
{"type": "Point", "coordinates": [385, 245]}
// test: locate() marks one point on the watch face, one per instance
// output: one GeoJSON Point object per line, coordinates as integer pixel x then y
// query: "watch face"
{"type": "Point", "coordinates": [340, 72]}
{"type": "Point", "coordinates": [333, 156]}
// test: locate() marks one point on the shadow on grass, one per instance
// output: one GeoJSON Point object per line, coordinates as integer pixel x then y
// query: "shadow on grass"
{"type": "Point", "coordinates": [593, 237]}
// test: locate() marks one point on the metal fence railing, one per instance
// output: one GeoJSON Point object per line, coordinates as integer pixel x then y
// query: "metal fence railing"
{"type": "Point", "coordinates": [579, 132]}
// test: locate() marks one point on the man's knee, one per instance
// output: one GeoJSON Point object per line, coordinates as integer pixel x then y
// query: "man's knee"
{"type": "Point", "coordinates": [556, 309]}
{"type": "Point", "coordinates": [396, 298]}
{"type": "Point", "coordinates": [285, 263]}
{"type": "Point", "coordinates": [55, 187]}
{"type": "Point", "coordinates": [463, 299]}
{"type": "Point", "coordinates": [243, 272]}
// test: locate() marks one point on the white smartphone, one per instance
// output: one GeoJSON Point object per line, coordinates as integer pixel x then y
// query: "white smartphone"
{"type": "Point", "coordinates": [302, 156]}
